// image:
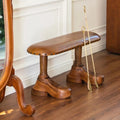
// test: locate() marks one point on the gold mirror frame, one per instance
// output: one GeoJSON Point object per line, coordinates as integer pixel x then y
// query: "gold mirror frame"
{"type": "Point", "coordinates": [8, 77]}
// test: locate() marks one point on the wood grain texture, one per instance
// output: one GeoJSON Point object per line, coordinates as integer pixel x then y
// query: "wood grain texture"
{"type": "Point", "coordinates": [61, 44]}
{"type": "Point", "coordinates": [101, 104]}
{"type": "Point", "coordinates": [113, 26]}
{"type": "Point", "coordinates": [8, 77]}
{"type": "Point", "coordinates": [46, 86]}
{"type": "Point", "coordinates": [8, 23]}
{"type": "Point", "coordinates": [78, 73]}
{"type": "Point", "coordinates": [15, 82]}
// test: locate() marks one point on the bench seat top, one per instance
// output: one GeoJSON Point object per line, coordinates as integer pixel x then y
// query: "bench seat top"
{"type": "Point", "coordinates": [61, 44]}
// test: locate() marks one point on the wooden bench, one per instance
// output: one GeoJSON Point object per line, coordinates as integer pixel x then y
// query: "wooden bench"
{"type": "Point", "coordinates": [44, 84]}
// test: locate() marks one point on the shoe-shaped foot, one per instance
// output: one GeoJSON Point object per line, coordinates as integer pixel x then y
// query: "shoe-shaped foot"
{"type": "Point", "coordinates": [79, 74]}
{"type": "Point", "coordinates": [47, 86]}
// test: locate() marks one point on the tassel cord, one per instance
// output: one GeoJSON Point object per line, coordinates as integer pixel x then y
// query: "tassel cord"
{"type": "Point", "coordinates": [91, 51]}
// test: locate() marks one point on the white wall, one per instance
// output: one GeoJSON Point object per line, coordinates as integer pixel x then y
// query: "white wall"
{"type": "Point", "coordinates": [39, 20]}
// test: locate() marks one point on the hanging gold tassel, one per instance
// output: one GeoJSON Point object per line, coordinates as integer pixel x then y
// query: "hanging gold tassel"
{"type": "Point", "coordinates": [88, 83]}
{"type": "Point", "coordinates": [93, 63]}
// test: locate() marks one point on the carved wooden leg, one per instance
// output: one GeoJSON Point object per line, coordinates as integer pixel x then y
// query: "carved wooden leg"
{"type": "Point", "coordinates": [45, 85]}
{"type": "Point", "coordinates": [2, 95]}
{"type": "Point", "coordinates": [78, 72]}
{"type": "Point", "coordinates": [17, 84]}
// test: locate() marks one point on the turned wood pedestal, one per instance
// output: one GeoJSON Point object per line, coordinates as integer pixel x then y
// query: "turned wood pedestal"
{"type": "Point", "coordinates": [45, 85]}
{"type": "Point", "coordinates": [78, 72]}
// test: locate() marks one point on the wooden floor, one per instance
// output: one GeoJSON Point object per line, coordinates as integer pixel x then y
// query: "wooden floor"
{"type": "Point", "coordinates": [101, 104]}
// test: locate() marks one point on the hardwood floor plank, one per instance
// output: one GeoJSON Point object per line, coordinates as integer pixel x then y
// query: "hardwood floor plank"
{"type": "Point", "coordinates": [101, 104]}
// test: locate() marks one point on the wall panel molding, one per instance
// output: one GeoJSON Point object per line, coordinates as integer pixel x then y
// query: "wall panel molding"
{"type": "Point", "coordinates": [21, 4]}
{"type": "Point", "coordinates": [25, 13]}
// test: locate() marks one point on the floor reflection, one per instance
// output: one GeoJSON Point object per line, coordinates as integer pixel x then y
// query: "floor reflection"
{"type": "Point", "coordinates": [6, 112]}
